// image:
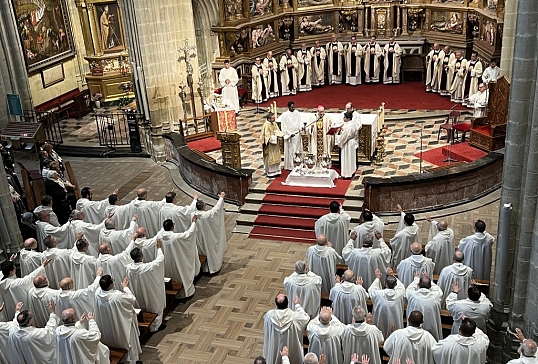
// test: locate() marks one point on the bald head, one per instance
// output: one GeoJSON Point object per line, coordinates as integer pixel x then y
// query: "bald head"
{"type": "Point", "coordinates": [325, 317]}
{"type": "Point", "coordinates": [142, 193]}
{"type": "Point", "coordinates": [416, 248]}
{"type": "Point", "coordinates": [141, 232]}
{"type": "Point", "coordinates": [528, 348]}
{"type": "Point", "coordinates": [40, 281]}
{"type": "Point", "coordinates": [66, 284]}
{"type": "Point", "coordinates": [442, 225]}
{"type": "Point", "coordinates": [458, 257]}
{"type": "Point", "coordinates": [425, 282]}
{"type": "Point", "coordinates": [110, 223]}
{"type": "Point", "coordinates": [30, 244]}
{"type": "Point", "coordinates": [105, 249]}
{"type": "Point", "coordinates": [300, 267]}
{"type": "Point", "coordinates": [310, 358]}
{"type": "Point", "coordinates": [348, 276]}
{"type": "Point", "coordinates": [321, 239]}
{"type": "Point", "coordinates": [69, 316]}
{"type": "Point", "coordinates": [358, 314]}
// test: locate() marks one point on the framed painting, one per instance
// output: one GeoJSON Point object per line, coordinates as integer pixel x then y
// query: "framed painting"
{"type": "Point", "coordinates": [44, 31]}
{"type": "Point", "coordinates": [447, 22]}
{"type": "Point", "coordinates": [107, 29]}
{"type": "Point", "coordinates": [315, 24]}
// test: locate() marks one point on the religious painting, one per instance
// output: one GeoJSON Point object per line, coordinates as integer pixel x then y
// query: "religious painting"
{"type": "Point", "coordinates": [108, 32]}
{"type": "Point", "coordinates": [238, 42]}
{"type": "Point", "coordinates": [307, 3]}
{"type": "Point", "coordinates": [262, 35]}
{"type": "Point", "coordinates": [488, 32]}
{"type": "Point", "coordinates": [492, 5]}
{"type": "Point", "coordinates": [285, 28]}
{"type": "Point", "coordinates": [316, 24]}
{"type": "Point", "coordinates": [44, 30]}
{"type": "Point", "coordinates": [260, 7]}
{"type": "Point", "coordinates": [447, 22]}
{"type": "Point", "coordinates": [348, 21]}
{"type": "Point", "coordinates": [474, 24]}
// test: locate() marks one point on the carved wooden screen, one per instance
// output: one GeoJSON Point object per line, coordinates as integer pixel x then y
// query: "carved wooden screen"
{"type": "Point", "coordinates": [498, 102]}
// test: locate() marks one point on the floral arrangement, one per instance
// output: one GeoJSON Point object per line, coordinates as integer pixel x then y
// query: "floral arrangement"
{"type": "Point", "coordinates": [97, 96]}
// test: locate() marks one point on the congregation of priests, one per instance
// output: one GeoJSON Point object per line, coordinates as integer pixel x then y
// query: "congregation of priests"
{"type": "Point", "coordinates": [82, 283]}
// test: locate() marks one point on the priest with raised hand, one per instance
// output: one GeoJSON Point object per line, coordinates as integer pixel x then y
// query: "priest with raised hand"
{"type": "Point", "coordinates": [346, 139]}
{"type": "Point", "coordinates": [318, 64]}
{"type": "Point", "coordinates": [440, 247]}
{"type": "Point", "coordinates": [477, 249]}
{"type": "Point", "coordinates": [372, 53]}
{"type": "Point", "coordinates": [4, 332]}
{"type": "Point", "coordinates": [65, 233]}
{"type": "Point", "coordinates": [371, 224]}
{"type": "Point", "coordinates": [361, 336]}
{"type": "Point", "coordinates": [393, 60]}
{"type": "Point", "coordinates": [94, 211]}
{"type": "Point", "coordinates": [83, 265]}
{"type": "Point", "coordinates": [122, 213]}
{"type": "Point", "coordinates": [31, 345]}
{"type": "Point", "coordinates": [284, 327]}
{"type": "Point", "coordinates": [181, 215]}
{"type": "Point", "coordinates": [406, 234]}
{"type": "Point", "coordinates": [354, 53]}
{"type": "Point", "coordinates": [29, 258]}
{"type": "Point", "coordinates": [82, 299]}
{"type": "Point", "coordinates": [114, 264]}
{"type": "Point", "coordinates": [425, 296]}
{"type": "Point", "coordinates": [411, 342]}
{"type": "Point", "coordinates": [476, 306]}
{"type": "Point", "coordinates": [77, 345]}
{"type": "Point", "coordinates": [322, 259]}
{"type": "Point", "coordinates": [182, 263]}
{"type": "Point", "coordinates": [211, 236]}
{"type": "Point", "coordinates": [116, 317]}
{"type": "Point", "coordinates": [306, 284]}
{"type": "Point", "coordinates": [457, 271]}
{"type": "Point", "coordinates": [290, 121]}
{"type": "Point", "coordinates": [60, 265]}
{"type": "Point", "coordinates": [347, 293]}
{"type": "Point", "coordinates": [415, 263]}
{"type": "Point", "coordinates": [325, 336]}
{"type": "Point", "coordinates": [305, 71]}
{"type": "Point", "coordinates": [228, 80]}
{"type": "Point", "coordinates": [38, 298]}
{"type": "Point", "coordinates": [118, 238]}
{"type": "Point", "coordinates": [147, 283]}
{"type": "Point", "coordinates": [91, 231]}
{"type": "Point", "coordinates": [147, 211]}
{"type": "Point", "coordinates": [319, 124]}
{"type": "Point", "coordinates": [334, 225]}
{"type": "Point", "coordinates": [335, 51]}
{"type": "Point", "coordinates": [288, 73]}
{"type": "Point", "coordinates": [147, 245]}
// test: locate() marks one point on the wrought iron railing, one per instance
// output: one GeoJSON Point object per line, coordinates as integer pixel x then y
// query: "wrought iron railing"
{"type": "Point", "coordinates": [50, 123]}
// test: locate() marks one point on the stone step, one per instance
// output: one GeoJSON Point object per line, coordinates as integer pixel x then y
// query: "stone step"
{"type": "Point", "coordinates": [254, 197]}
{"type": "Point", "coordinates": [243, 229]}
{"type": "Point", "coordinates": [246, 219]}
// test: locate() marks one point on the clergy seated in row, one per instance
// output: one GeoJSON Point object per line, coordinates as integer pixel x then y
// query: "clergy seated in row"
{"type": "Point", "coordinates": [29, 257]}
{"type": "Point", "coordinates": [440, 247]}
{"type": "Point", "coordinates": [415, 263]}
{"type": "Point", "coordinates": [406, 234]}
{"type": "Point", "coordinates": [64, 233]}
{"type": "Point", "coordinates": [371, 224]}
{"type": "Point", "coordinates": [425, 296]}
{"type": "Point", "coordinates": [211, 234]}
{"type": "Point", "coordinates": [467, 346]}
{"type": "Point", "coordinates": [119, 239]}
{"type": "Point", "coordinates": [457, 271]}
{"type": "Point", "coordinates": [116, 317]}
{"type": "Point", "coordinates": [38, 298]}
{"type": "Point", "coordinates": [75, 344]}
{"type": "Point", "coordinates": [283, 326]}
{"type": "Point", "coordinates": [477, 249]}
{"type": "Point", "coordinates": [527, 350]}
{"type": "Point", "coordinates": [5, 326]}
{"type": "Point", "coordinates": [147, 283]}
{"type": "Point", "coordinates": [46, 205]}
{"type": "Point", "coordinates": [13, 289]}
{"type": "Point", "coordinates": [29, 344]}
{"type": "Point", "coordinates": [388, 302]}
{"type": "Point", "coordinates": [361, 336]}
{"type": "Point", "coordinates": [476, 306]}
{"type": "Point", "coordinates": [305, 284]}
{"type": "Point", "coordinates": [347, 293]}
{"type": "Point", "coordinates": [364, 261]}
{"type": "Point", "coordinates": [335, 226]}
{"type": "Point", "coordinates": [114, 264]}
{"type": "Point", "coordinates": [182, 263]}
{"type": "Point", "coordinates": [411, 342]}
{"type": "Point", "coordinates": [94, 211]}
{"type": "Point", "coordinates": [83, 265]}
{"type": "Point", "coordinates": [60, 265]}
{"type": "Point", "coordinates": [325, 336]}
{"type": "Point", "coordinates": [322, 259]}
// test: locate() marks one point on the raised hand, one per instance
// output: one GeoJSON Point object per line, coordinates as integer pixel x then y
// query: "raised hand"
{"type": "Point", "coordinates": [284, 351]}
{"type": "Point", "coordinates": [46, 262]}
{"type": "Point", "coordinates": [428, 218]}
{"type": "Point", "coordinates": [83, 317]}
{"type": "Point", "coordinates": [13, 257]}
{"type": "Point", "coordinates": [393, 327]}
{"type": "Point", "coordinates": [390, 272]}
{"type": "Point", "coordinates": [196, 196]}
{"type": "Point", "coordinates": [456, 287]}
{"type": "Point", "coordinates": [18, 308]}
{"type": "Point", "coordinates": [353, 235]}
{"type": "Point", "coordinates": [518, 334]}
{"type": "Point", "coordinates": [99, 272]}
{"type": "Point", "coordinates": [195, 218]}
{"type": "Point", "coordinates": [365, 359]}
{"type": "Point", "coordinates": [359, 281]}
{"type": "Point", "coordinates": [408, 361]}
{"type": "Point", "coordinates": [135, 217]}
{"type": "Point", "coordinates": [326, 309]}
{"type": "Point", "coordinates": [369, 318]}
{"type": "Point", "coordinates": [134, 236]}
{"type": "Point", "coordinates": [91, 316]}
{"type": "Point", "coordinates": [159, 244]}
{"type": "Point", "coordinates": [378, 234]}
{"type": "Point", "coordinates": [337, 279]}
{"type": "Point", "coordinates": [399, 207]}
{"type": "Point", "coordinates": [354, 358]}
{"type": "Point", "coordinates": [425, 274]}
{"type": "Point", "coordinates": [125, 282]}
{"type": "Point", "coordinates": [116, 191]}
{"type": "Point", "coordinates": [222, 194]}
{"type": "Point", "coordinates": [51, 306]}
{"type": "Point", "coordinates": [378, 274]}
{"type": "Point", "coordinates": [329, 244]}
{"type": "Point", "coordinates": [296, 300]}
{"type": "Point", "coordinates": [79, 235]}
{"type": "Point", "coordinates": [417, 274]}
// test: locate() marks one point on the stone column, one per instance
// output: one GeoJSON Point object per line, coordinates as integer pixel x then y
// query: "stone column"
{"type": "Point", "coordinates": [404, 22]}
{"type": "Point", "coordinates": [509, 30]}
{"type": "Point", "coordinates": [155, 30]}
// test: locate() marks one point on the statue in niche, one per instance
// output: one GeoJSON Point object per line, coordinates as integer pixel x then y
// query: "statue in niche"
{"type": "Point", "coordinates": [229, 9]}
{"type": "Point", "coordinates": [452, 25]}
{"type": "Point", "coordinates": [492, 4]}
{"type": "Point", "coordinates": [285, 28]}
{"type": "Point", "coordinates": [261, 36]}
{"type": "Point", "coordinates": [241, 41]}
{"type": "Point", "coordinates": [474, 24]}
{"type": "Point", "coordinates": [260, 7]}
{"type": "Point", "coordinates": [348, 20]}
{"type": "Point", "coordinates": [309, 27]}
{"type": "Point", "coordinates": [304, 3]}
{"type": "Point", "coordinates": [489, 33]}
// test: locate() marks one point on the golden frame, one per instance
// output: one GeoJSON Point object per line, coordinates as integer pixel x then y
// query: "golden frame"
{"type": "Point", "coordinates": [115, 42]}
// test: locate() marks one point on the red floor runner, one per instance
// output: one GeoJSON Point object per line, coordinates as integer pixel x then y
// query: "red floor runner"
{"type": "Point", "coordinates": [340, 189]}
{"type": "Point", "coordinates": [312, 212]}
{"type": "Point", "coordinates": [460, 152]}
{"type": "Point", "coordinates": [205, 145]}
{"type": "Point", "coordinates": [299, 200]}
{"type": "Point", "coordinates": [409, 96]}
{"type": "Point", "coordinates": [281, 234]}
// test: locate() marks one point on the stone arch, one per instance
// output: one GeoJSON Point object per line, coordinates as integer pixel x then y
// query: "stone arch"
{"type": "Point", "coordinates": [206, 15]}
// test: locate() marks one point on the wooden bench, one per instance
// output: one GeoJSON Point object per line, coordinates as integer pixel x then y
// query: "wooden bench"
{"type": "Point", "coordinates": [116, 355]}
{"type": "Point", "coordinates": [145, 319]}
{"type": "Point", "coordinates": [202, 258]}
{"type": "Point", "coordinates": [172, 288]}
{"type": "Point", "coordinates": [74, 103]}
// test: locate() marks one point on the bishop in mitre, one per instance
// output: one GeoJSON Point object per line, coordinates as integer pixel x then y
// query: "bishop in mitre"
{"type": "Point", "coordinates": [318, 126]}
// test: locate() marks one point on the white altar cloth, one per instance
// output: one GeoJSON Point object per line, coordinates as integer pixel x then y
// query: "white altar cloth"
{"type": "Point", "coordinates": [312, 180]}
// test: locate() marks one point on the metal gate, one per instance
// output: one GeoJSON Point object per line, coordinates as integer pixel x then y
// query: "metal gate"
{"type": "Point", "coordinates": [49, 122]}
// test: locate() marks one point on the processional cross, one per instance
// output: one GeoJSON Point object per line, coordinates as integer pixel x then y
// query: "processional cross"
{"type": "Point", "coordinates": [186, 53]}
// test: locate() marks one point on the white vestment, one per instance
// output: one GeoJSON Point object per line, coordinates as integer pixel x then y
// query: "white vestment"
{"type": "Point", "coordinates": [478, 102]}
{"type": "Point", "coordinates": [347, 141]}
{"type": "Point", "coordinates": [335, 226]}
{"type": "Point", "coordinates": [148, 214]}
{"type": "Point", "coordinates": [458, 68]}
{"type": "Point", "coordinates": [14, 290]}
{"type": "Point", "coordinates": [59, 266]}
{"type": "Point", "coordinates": [118, 239]}
{"type": "Point", "coordinates": [31, 345]}
{"type": "Point", "coordinates": [4, 338]}
{"type": "Point", "coordinates": [322, 261]}
{"type": "Point", "coordinates": [491, 74]}
{"type": "Point", "coordinates": [473, 74]}
{"type": "Point", "coordinates": [328, 140]}
{"type": "Point", "coordinates": [428, 302]}
{"type": "Point", "coordinates": [76, 345]}
{"type": "Point", "coordinates": [284, 328]}
{"type": "Point", "coordinates": [81, 300]}
{"type": "Point", "coordinates": [29, 260]}
{"type": "Point", "coordinates": [364, 339]}
{"type": "Point", "coordinates": [304, 78]}
{"type": "Point", "coordinates": [114, 265]}
{"type": "Point", "coordinates": [308, 287]}
{"type": "Point", "coordinates": [116, 318]}
{"type": "Point", "coordinates": [38, 300]}
{"type": "Point", "coordinates": [462, 350]}
{"type": "Point", "coordinates": [83, 268]}
{"type": "Point", "coordinates": [123, 214]}
{"type": "Point", "coordinates": [372, 53]}
{"type": "Point", "coordinates": [524, 360]}
{"type": "Point", "coordinates": [440, 247]}
{"type": "Point", "coordinates": [259, 83]}
{"type": "Point", "coordinates": [326, 339]}
{"type": "Point", "coordinates": [91, 234]}
{"type": "Point", "coordinates": [53, 217]}
{"type": "Point", "coordinates": [364, 261]}
{"type": "Point", "coordinates": [388, 306]}
{"type": "Point", "coordinates": [318, 65]}
{"type": "Point", "coordinates": [147, 282]}
{"type": "Point", "coordinates": [411, 342]}
{"type": "Point", "coordinates": [94, 211]}
{"type": "Point", "coordinates": [415, 263]}
{"type": "Point", "coordinates": [455, 272]}
{"type": "Point", "coordinates": [477, 253]}
{"type": "Point", "coordinates": [402, 240]}
{"type": "Point", "coordinates": [392, 66]}
{"type": "Point", "coordinates": [180, 215]}
{"type": "Point", "coordinates": [272, 76]}
{"type": "Point", "coordinates": [229, 91]}
{"type": "Point", "coordinates": [288, 74]}
{"type": "Point", "coordinates": [183, 263]}
{"type": "Point", "coordinates": [148, 247]}
{"type": "Point", "coordinates": [434, 70]}
{"type": "Point", "coordinates": [65, 234]}
{"type": "Point", "coordinates": [290, 124]}
{"type": "Point", "coordinates": [476, 310]}
{"type": "Point", "coordinates": [211, 236]}
{"type": "Point", "coordinates": [368, 228]}
{"type": "Point", "coordinates": [447, 74]}
{"type": "Point", "coordinates": [335, 51]}
{"type": "Point", "coordinates": [345, 296]}
{"type": "Point", "coordinates": [354, 53]}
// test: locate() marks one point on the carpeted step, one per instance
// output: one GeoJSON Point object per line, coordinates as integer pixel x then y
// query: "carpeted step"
{"type": "Point", "coordinates": [285, 222]}
{"type": "Point", "coordinates": [281, 234]}
{"type": "Point", "coordinates": [284, 199]}
{"type": "Point", "coordinates": [338, 191]}
{"type": "Point", "coordinates": [295, 211]}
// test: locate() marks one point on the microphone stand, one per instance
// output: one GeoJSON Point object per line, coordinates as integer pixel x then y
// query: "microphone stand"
{"type": "Point", "coordinates": [258, 111]}
{"type": "Point", "coordinates": [449, 157]}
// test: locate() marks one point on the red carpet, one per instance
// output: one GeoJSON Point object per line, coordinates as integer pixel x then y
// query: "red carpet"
{"type": "Point", "coordinates": [409, 96]}
{"type": "Point", "coordinates": [289, 213]}
{"type": "Point", "coordinates": [205, 145]}
{"type": "Point", "coordinates": [462, 152]}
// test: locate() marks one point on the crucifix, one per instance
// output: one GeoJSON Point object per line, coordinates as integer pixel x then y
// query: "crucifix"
{"type": "Point", "coordinates": [186, 53]}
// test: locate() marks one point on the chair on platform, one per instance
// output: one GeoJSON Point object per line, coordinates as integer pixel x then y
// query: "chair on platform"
{"type": "Point", "coordinates": [461, 127]}
{"type": "Point", "coordinates": [451, 120]}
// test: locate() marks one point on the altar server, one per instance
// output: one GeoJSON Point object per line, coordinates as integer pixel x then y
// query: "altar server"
{"type": "Point", "coordinates": [290, 121]}
{"type": "Point", "coordinates": [346, 139]}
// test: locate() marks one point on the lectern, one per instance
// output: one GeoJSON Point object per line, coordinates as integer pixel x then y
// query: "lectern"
{"type": "Point", "coordinates": [231, 151]}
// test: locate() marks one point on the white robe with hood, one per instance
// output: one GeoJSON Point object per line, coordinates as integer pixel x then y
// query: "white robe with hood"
{"type": "Point", "coordinates": [477, 253]}
{"type": "Point", "coordinates": [14, 290]}
{"type": "Point", "coordinates": [364, 261]}
{"type": "Point", "coordinates": [345, 296]}
{"type": "Point", "coordinates": [148, 247]}
{"type": "Point", "coordinates": [4, 338]}
{"type": "Point", "coordinates": [91, 234]}
{"type": "Point", "coordinates": [369, 228]}
{"type": "Point", "coordinates": [428, 302]}
{"type": "Point", "coordinates": [114, 265]}
{"type": "Point", "coordinates": [335, 226]}
{"type": "Point", "coordinates": [29, 260]}
{"type": "Point", "coordinates": [402, 240]}
{"type": "Point", "coordinates": [455, 272]}
{"type": "Point", "coordinates": [322, 261]}
{"type": "Point", "coordinates": [38, 299]}
{"type": "Point", "coordinates": [326, 339]}
{"type": "Point", "coordinates": [364, 339]}
{"type": "Point", "coordinates": [462, 350]}
{"type": "Point", "coordinates": [148, 214]}
{"type": "Point", "coordinates": [388, 306]}
{"type": "Point", "coordinates": [83, 269]}
{"type": "Point", "coordinates": [415, 263]}
{"type": "Point", "coordinates": [411, 342]}
{"type": "Point", "coordinates": [180, 215]}
{"type": "Point", "coordinates": [123, 215]}
{"type": "Point", "coordinates": [291, 124]}
{"type": "Point", "coordinates": [65, 234]}
{"type": "Point", "coordinates": [94, 211]}
{"type": "Point", "coordinates": [118, 239]}
{"type": "Point", "coordinates": [440, 247]}
{"type": "Point", "coordinates": [59, 266]}
{"type": "Point", "coordinates": [476, 310]}
{"type": "Point", "coordinates": [81, 300]}
{"type": "Point", "coordinates": [31, 345]}
{"type": "Point", "coordinates": [76, 345]}
{"type": "Point", "coordinates": [308, 287]}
